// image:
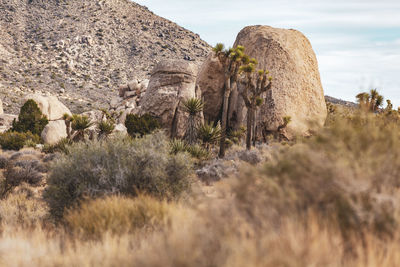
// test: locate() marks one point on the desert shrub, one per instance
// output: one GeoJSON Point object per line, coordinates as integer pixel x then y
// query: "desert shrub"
{"type": "Point", "coordinates": [3, 161]}
{"type": "Point", "coordinates": [30, 119]}
{"type": "Point", "coordinates": [28, 171]}
{"type": "Point", "coordinates": [16, 140]}
{"type": "Point", "coordinates": [61, 146]}
{"type": "Point", "coordinates": [118, 216]}
{"type": "Point", "coordinates": [22, 167]}
{"type": "Point", "coordinates": [347, 174]}
{"type": "Point", "coordinates": [117, 166]}
{"type": "Point", "coordinates": [139, 126]}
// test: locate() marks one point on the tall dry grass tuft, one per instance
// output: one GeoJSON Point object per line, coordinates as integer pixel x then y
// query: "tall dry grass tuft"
{"type": "Point", "coordinates": [22, 209]}
{"type": "Point", "coordinates": [118, 216]}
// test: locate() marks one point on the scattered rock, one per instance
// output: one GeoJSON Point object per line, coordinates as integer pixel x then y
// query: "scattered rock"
{"type": "Point", "coordinates": [250, 156]}
{"type": "Point", "coordinates": [54, 132]}
{"type": "Point", "coordinates": [121, 129]}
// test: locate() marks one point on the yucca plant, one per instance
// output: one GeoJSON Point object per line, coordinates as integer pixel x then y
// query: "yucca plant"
{"type": "Point", "coordinates": [80, 124]}
{"type": "Point", "coordinates": [192, 106]}
{"type": "Point", "coordinates": [106, 127]}
{"type": "Point", "coordinates": [198, 152]}
{"type": "Point", "coordinates": [208, 134]}
{"type": "Point", "coordinates": [177, 146]}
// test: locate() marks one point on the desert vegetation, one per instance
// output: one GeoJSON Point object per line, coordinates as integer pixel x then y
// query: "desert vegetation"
{"type": "Point", "coordinates": [326, 200]}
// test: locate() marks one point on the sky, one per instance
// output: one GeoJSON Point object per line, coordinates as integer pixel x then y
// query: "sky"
{"type": "Point", "coordinates": [357, 42]}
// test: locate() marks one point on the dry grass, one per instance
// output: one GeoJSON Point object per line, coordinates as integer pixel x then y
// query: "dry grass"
{"type": "Point", "coordinates": [118, 216]}
{"type": "Point", "coordinates": [331, 200]}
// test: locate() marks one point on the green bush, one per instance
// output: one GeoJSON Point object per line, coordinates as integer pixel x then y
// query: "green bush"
{"type": "Point", "coordinates": [118, 165]}
{"type": "Point", "coordinates": [16, 140]}
{"type": "Point", "coordinates": [30, 119]}
{"type": "Point", "coordinates": [138, 126]}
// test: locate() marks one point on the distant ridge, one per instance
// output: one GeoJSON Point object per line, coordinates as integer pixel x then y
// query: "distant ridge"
{"type": "Point", "coordinates": [337, 101]}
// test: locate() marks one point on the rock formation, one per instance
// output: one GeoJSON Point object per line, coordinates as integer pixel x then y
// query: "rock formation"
{"type": "Point", "coordinates": [171, 82]}
{"type": "Point", "coordinates": [50, 106]}
{"type": "Point", "coordinates": [211, 81]}
{"type": "Point", "coordinates": [296, 91]}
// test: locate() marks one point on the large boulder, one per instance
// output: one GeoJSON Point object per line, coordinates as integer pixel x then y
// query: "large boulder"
{"type": "Point", "coordinates": [211, 82]}
{"type": "Point", "coordinates": [171, 82]}
{"type": "Point", "coordinates": [50, 106]}
{"type": "Point", "coordinates": [296, 91]}
{"type": "Point", "coordinates": [54, 132]}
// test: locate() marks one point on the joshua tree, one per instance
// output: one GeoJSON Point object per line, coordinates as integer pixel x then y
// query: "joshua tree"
{"type": "Point", "coordinates": [254, 86]}
{"type": "Point", "coordinates": [193, 107]}
{"type": "Point", "coordinates": [68, 119]}
{"type": "Point", "coordinates": [231, 59]}
{"type": "Point", "coordinates": [370, 101]}
{"type": "Point", "coordinates": [80, 124]}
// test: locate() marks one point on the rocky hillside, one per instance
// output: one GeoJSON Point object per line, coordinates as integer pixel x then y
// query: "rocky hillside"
{"type": "Point", "coordinates": [81, 50]}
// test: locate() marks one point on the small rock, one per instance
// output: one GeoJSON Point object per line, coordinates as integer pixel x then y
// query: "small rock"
{"type": "Point", "coordinates": [54, 132]}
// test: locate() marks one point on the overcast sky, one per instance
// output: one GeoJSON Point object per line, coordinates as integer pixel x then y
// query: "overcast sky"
{"type": "Point", "coordinates": [357, 42]}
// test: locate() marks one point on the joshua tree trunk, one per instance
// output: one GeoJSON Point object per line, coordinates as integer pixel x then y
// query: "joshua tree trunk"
{"type": "Point", "coordinates": [254, 123]}
{"type": "Point", "coordinates": [191, 132]}
{"type": "Point", "coordinates": [224, 117]}
{"type": "Point", "coordinates": [68, 125]}
{"type": "Point", "coordinates": [249, 128]}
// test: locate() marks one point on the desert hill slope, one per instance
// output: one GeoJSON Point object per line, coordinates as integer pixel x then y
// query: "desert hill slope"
{"type": "Point", "coordinates": [81, 50]}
